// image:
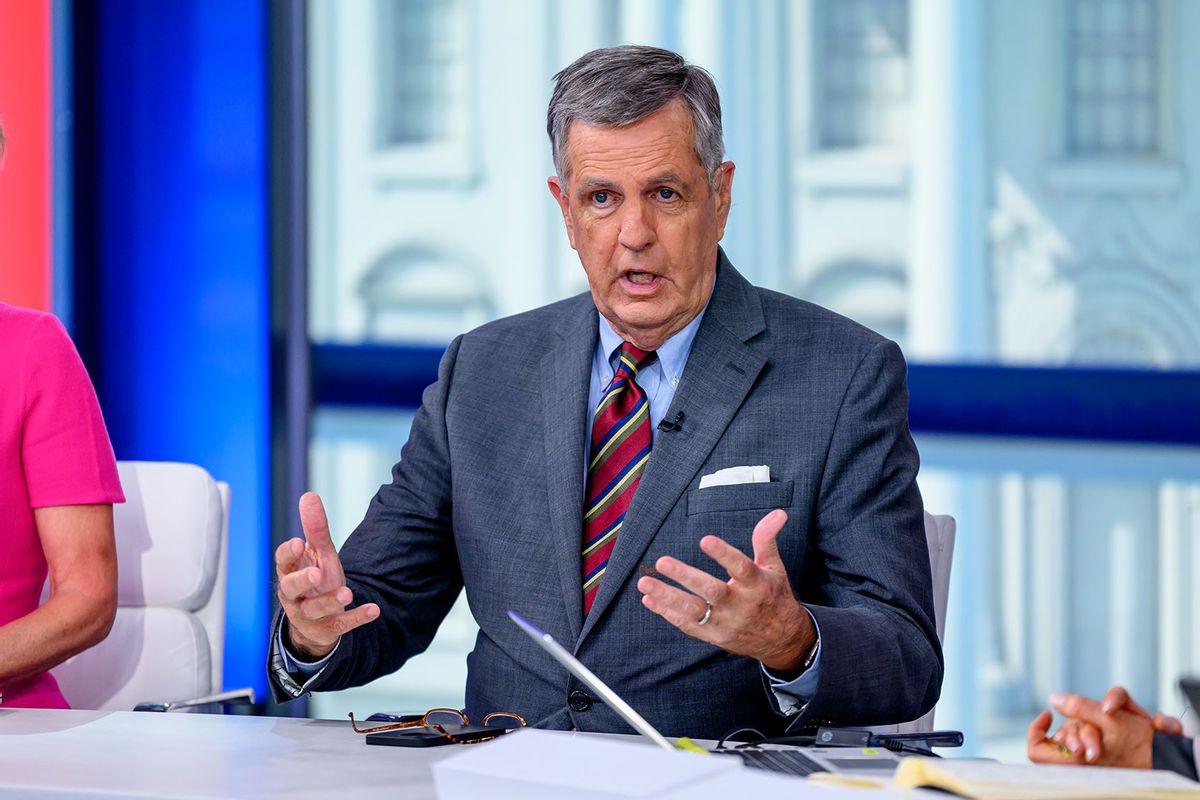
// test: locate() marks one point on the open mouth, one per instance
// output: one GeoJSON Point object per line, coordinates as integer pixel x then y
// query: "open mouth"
{"type": "Point", "coordinates": [637, 282]}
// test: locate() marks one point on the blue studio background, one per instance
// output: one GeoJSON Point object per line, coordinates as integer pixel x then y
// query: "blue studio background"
{"type": "Point", "coordinates": [170, 293]}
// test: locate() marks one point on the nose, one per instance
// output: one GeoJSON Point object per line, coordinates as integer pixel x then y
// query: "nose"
{"type": "Point", "coordinates": [637, 225]}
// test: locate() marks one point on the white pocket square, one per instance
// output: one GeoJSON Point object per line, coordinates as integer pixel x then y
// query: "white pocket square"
{"type": "Point", "coordinates": [734, 475]}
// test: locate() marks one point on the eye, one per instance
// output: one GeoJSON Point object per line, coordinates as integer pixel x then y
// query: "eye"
{"type": "Point", "coordinates": [600, 198]}
{"type": "Point", "coordinates": [667, 194]}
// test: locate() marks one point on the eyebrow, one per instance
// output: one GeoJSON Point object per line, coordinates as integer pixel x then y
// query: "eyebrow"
{"type": "Point", "coordinates": [599, 184]}
{"type": "Point", "coordinates": [666, 177]}
{"type": "Point", "coordinates": [594, 184]}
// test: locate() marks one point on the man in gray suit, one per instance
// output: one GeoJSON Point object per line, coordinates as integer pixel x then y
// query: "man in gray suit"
{"type": "Point", "coordinates": [573, 463]}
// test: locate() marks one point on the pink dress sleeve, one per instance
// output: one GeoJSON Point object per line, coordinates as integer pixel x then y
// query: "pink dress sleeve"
{"type": "Point", "coordinates": [65, 451]}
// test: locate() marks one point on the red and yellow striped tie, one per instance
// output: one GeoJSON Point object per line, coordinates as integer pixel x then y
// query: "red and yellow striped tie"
{"type": "Point", "coordinates": [621, 439]}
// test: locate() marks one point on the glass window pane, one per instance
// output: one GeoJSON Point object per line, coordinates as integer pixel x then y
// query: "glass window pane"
{"type": "Point", "coordinates": [1113, 65]}
{"type": "Point", "coordinates": [863, 77]}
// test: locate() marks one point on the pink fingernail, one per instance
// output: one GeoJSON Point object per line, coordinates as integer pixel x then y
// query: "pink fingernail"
{"type": "Point", "coordinates": [1057, 699]}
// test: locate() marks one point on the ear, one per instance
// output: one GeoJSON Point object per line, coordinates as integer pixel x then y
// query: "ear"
{"type": "Point", "coordinates": [559, 190]}
{"type": "Point", "coordinates": [723, 189]}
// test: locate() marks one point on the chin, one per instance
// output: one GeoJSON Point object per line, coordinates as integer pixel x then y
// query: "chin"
{"type": "Point", "coordinates": [636, 315]}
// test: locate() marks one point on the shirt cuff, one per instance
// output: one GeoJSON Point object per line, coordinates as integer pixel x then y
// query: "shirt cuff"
{"type": "Point", "coordinates": [293, 675]}
{"type": "Point", "coordinates": [792, 696]}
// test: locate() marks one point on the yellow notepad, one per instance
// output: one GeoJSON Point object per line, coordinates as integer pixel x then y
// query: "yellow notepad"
{"type": "Point", "coordinates": [988, 780]}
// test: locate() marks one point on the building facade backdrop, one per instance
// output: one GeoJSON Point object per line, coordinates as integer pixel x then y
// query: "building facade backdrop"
{"type": "Point", "coordinates": [982, 181]}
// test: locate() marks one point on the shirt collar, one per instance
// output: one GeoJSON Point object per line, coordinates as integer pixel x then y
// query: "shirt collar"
{"type": "Point", "coordinates": [673, 353]}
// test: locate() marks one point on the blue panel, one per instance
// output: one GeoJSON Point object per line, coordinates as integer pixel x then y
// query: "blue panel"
{"type": "Point", "coordinates": [182, 287]}
{"type": "Point", "coordinates": [1118, 405]}
{"type": "Point", "coordinates": [62, 300]}
{"type": "Point", "coordinates": [373, 375]}
{"type": "Point", "coordinates": [1115, 405]}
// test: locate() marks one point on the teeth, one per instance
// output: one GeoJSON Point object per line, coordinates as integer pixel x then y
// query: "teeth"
{"type": "Point", "coordinates": [640, 277]}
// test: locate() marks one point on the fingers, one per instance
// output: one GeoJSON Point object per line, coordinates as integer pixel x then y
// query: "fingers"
{"type": "Point", "coordinates": [766, 547]}
{"type": "Point", "coordinates": [288, 556]}
{"type": "Point", "coordinates": [736, 563]}
{"type": "Point", "coordinates": [1080, 707]}
{"type": "Point", "coordinates": [315, 523]}
{"type": "Point", "coordinates": [1041, 750]}
{"type": "Point", "coordinates": [326, 605]}
{"type": "Point", "coordinates": [694, 580]}
{"type": "Point", "coordinates": [296, 585]}
{"type": "Point", "coordinates": [1038, 728]}
{"type": "Point", "coordinates": [347, 621]}
{"type": "Point", "coordinates": [681, 609]}
{"type": "Point", "coordinates": [1068, 735]}
{"type": "Point", "coordinates": [314, 639]}
{"type": "Point", "coordinates": [1089, 738]}
{"type": "Point", "coordinates": [1167, 724]}
{"type": "Point", "coordinates": [1117, 698]}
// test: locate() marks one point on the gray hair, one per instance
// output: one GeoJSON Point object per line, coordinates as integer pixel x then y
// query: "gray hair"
{"type": "Point", "coordinates": [617, 86]}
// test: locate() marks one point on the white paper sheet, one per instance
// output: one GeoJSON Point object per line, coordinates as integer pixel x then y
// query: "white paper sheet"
{"type": "Point", "coordinates": [535, 764]}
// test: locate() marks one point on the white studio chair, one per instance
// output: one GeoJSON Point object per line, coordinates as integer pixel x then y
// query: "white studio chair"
{"type": "Point", "coordinates": [939, 534]}
{"type": "Point", "coordinates": [167, 642]}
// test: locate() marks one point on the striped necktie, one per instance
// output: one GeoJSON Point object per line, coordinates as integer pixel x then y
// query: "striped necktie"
{"type": "Point", "coordinates": [621, 441]}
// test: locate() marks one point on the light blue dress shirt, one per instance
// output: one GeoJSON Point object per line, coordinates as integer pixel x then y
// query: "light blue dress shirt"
{"type": "Point", "coordinates": [659, 381]}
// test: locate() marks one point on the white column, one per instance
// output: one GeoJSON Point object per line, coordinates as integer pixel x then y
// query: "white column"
{"type": "Point", "coordinates": [700, 28]}
{"type": "Point", "coordinates": [642, 22]}
{"type": "Point", "coordinates": [948, 298]}
{"type": "Point", "coordinates": [583, 26]}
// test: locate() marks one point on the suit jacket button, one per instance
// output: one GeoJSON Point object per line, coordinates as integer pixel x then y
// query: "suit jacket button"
{"type": "Point", "coordinates": [579, 700]}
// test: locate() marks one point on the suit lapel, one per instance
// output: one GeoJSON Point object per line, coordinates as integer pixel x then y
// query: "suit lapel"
{"type": "Point", "coordinates": [720, 372]}
{"type": "Point", "coordinates": [566, 375]}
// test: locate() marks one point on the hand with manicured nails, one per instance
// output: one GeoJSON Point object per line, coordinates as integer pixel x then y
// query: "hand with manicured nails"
{"type": "Point", "coordinates": [312, 586]}
{"type": "Point", "coordinates": [1114, 732]}
{"type": "Point", "coordinates": [755, 613]}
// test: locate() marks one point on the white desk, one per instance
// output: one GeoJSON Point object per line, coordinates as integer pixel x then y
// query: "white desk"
{"type": "Point", "coordinates": [67, 754]}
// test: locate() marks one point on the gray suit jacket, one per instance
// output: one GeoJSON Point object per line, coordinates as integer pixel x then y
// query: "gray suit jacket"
{"type": "Point", "coordinates": [1176, 753]}
{"type": "Point", "coordinates": [489, 494]}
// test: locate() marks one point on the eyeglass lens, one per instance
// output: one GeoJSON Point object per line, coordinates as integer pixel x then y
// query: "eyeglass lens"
{"type": "Point", "coordinates": [443, 717]}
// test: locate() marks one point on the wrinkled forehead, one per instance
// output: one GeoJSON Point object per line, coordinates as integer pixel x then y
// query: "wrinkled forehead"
{"type": "Point", "coordinates": [663, 141]}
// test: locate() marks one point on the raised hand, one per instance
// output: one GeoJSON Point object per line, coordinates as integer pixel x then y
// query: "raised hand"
{"type": "Point", "coordinates": [312, 586]}
{"type": "Point", "coordinates": [755, 613]}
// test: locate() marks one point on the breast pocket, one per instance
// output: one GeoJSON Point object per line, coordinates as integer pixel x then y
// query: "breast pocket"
{"type": "Point", "coordinates": [740, 497]}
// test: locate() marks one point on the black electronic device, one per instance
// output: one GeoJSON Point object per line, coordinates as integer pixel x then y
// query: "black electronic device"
{"type": "Point", "coordinates": [854, 737]}
{"type": "Point", "coordinates": [672, 425]}
{"type": "Point", "coordinates": [1191, 691]}
{"type": "Point", "coordinates": [429, 737]}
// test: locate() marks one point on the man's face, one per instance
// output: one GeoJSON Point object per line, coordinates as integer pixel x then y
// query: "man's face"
{"type": "Point", "coordinates": [639, 212]}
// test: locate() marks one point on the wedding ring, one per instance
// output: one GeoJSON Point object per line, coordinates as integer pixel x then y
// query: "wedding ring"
{"type": "Point", "coordinates": [707, 613]}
